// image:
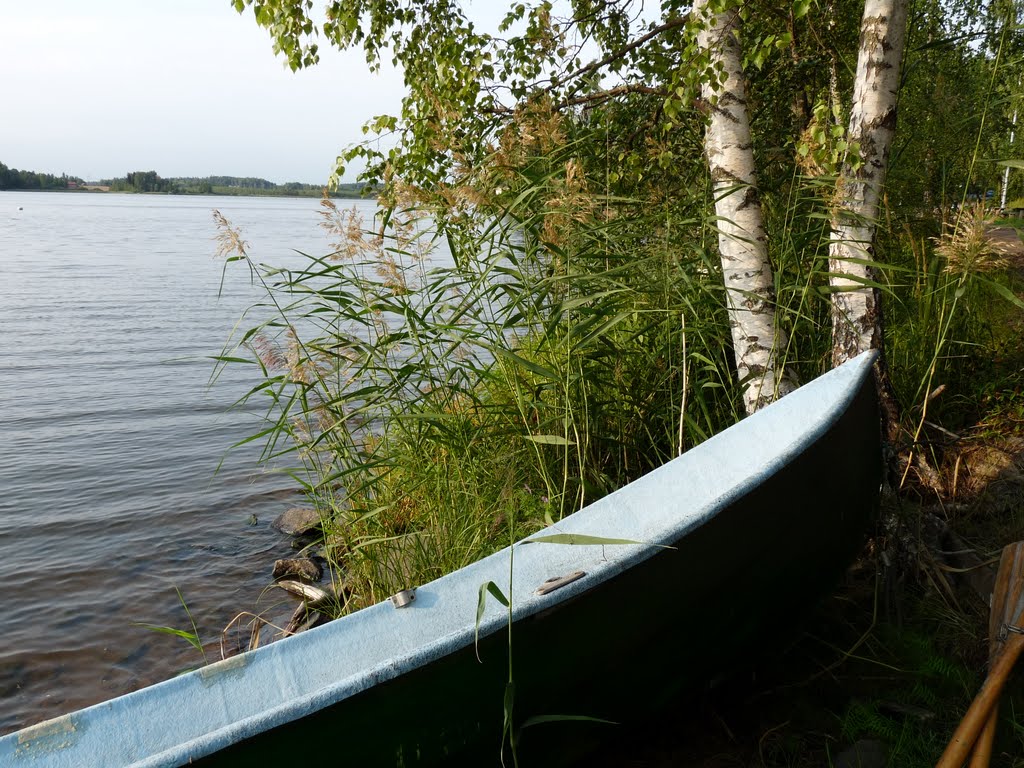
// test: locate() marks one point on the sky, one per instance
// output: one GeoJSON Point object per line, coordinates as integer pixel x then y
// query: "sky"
{"type": "Point", "coordinates": [98, 88]}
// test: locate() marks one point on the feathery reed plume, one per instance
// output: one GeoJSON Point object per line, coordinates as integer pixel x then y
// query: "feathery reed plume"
{"type": "Point", "coordinates": [268, 353]}
{"type": "Point", "coordinates": [570, 203]}
{"type": "Point", "coordinates": [301, 369]}
{"type": "Point", "coordinates": [966, 246]}
{"type": "Point", "coordinates": [229, 238]}
{"type": "Point", "coordinates": [347, 225]}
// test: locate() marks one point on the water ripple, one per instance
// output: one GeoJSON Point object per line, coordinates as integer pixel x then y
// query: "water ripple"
{"type": "Point", "coordinates": [110, 438]}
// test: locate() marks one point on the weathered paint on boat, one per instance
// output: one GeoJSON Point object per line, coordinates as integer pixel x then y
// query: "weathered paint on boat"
{"type": "Point", "coordinates": [738, 534]}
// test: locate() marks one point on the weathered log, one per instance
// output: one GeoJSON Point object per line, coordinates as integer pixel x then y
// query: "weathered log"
{"type": "Point", "coordinates": [302, 619]}
{"type": "Point", "coordinates": [312, 595]}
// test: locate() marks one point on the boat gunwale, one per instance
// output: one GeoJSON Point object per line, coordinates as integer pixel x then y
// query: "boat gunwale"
{"type": "Point", "coordinates": [525, 603]}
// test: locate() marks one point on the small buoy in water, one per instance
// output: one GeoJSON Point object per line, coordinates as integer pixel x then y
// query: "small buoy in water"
{"type": "Point", "coordinates": [253, 520]}
{"type": "Point", "coordinates": [20, 208]}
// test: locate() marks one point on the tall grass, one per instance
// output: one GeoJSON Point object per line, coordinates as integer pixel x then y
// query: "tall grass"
{"type": "Point", "coordinates": [941, 314]}
{"type": "Point", "coordinates": [449, 377]}
{"type": "Point", "coordinates": [437, 388]}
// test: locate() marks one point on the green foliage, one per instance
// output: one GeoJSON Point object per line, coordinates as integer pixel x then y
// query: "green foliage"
{"type": "Point", "coordinates": [931, 683]}
{"type": "Point", "coordinates": [150, 181]}
{"type": "Point", "coordinates": [459, 403]}
{"type": "Point", "coordinates": [576, 339]}
{"type": "Point", "coordinates": [464, 86]}
{"type": "Point", "coordinates": [468, 88]}
{"type": "Point", "coordinates": [578, 539]}
{"type": "Point", "coordinates": [12, 178]}
{"type": "Point", "coordinates": [582, 330]}
{"type": "Point", "coordinates": [944, 100]}
{"type": "Point", "coordinates": [145, 181]}
{"type": "Point", "coordinates": [494, 591]}
{"type": "Point", "coordinates": [951, 313]}
{"type": "Point", "coordinates": [486, 117]}
{"type": "Point", "coordinates": [536, 316]}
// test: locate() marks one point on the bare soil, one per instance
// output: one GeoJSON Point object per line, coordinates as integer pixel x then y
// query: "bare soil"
{"type": "Point", "coordinates": [1008, 239]}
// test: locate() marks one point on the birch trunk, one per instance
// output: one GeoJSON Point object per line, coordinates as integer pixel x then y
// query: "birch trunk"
{"type": "Point", "coordinates": [746, 270]}
{"type": "Point", "coordinates": [857, 321]}
{"type": "Point", "coordinates": [856, 312]}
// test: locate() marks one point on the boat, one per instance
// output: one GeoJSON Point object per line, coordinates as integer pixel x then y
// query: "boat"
{"type": "Point", "coordinates": [654, 588]}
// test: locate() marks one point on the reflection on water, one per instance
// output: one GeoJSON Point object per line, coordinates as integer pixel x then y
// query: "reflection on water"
{"type": "Point", "coordinates": [110, 437]}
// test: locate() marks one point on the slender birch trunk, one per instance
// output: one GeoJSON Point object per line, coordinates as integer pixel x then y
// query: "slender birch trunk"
{"type": "Point", "coordinates": [855, 317]}
{"type": "Point", "coordinates": [857, 322]}
{"type": "Point", "coordinates": [1006, 170]}
{"type": "Point", "coordinates": [746, 270]}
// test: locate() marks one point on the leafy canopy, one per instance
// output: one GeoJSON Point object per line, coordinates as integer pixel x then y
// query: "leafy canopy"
{"type": "Point", "coordinates": [464, 85]}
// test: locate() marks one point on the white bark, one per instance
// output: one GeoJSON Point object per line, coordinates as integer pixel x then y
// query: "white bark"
{"type": "Point", "coordinates": [856, 315]}
{"type": "Point", "coordinates": [757, 339]}
{"type": "Point", "coordinates": [1006, 170]}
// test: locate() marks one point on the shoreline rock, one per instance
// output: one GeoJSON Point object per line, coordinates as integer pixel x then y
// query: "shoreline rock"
{"type": "Point", "coordinates": [298, 521]}
{"type": "Point", "coordinates": [301, 568]}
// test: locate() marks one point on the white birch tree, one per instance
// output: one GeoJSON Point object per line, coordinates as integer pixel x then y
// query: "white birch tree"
{"type": "Point", "coordinates": [462, 85]}
{"type": "Point", "coordinates": [856, 309]}
{"type": "Point", "coordinates": [742, 242]}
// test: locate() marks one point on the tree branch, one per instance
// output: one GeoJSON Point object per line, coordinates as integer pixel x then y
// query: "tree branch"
{"type": "Point", "coordinates": [595, 65]}
{"type": "Point", "coordinates": [611, 93]}
{"type": "Point", "coordinates": [591, 98]}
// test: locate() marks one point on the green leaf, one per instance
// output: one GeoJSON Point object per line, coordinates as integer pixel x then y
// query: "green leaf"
{"type": "Point", "coordinates": [1003, 291]}
{"type": "Point", "coordinates": [601, 330]}
{"type": "Point", "coordinates": [191, 637]}
{"type": "Point", "coordinates": [546, 373]}
{"type": "Point", "coordinates": [507, 731]}
{"type": "Point", "coordinates": [481, 604]}
{"type": "Point", "coordinates": [496, 593]}
{"type": "Point", "coordinates": [582, 301]}
{"type": "Point", "coordinates": [576, 539]}
{"type": "Point", "coordinates": [549, 439]}
{"type": "Point", "coordinates": [541, 719]}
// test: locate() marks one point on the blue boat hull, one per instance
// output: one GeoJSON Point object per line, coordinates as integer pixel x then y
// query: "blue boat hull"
{"type": "Point", "coordinates": [738, 536]}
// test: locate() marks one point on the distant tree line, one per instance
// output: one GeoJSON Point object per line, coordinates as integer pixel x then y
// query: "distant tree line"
{"type": "Point", "coordinates": [12, 178]}
{"type": "Point", "coordinates": [141, 181]}
{"type": "Point", "coordinates": [247, 182]}
{"type": "Point", "coordinates": [150, 181]}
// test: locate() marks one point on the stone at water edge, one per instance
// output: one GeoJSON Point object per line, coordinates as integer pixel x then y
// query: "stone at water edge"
{"type": "Point", "coordinates": [302, 568]}
{"type": "Point", "coordinates": [297, 521]}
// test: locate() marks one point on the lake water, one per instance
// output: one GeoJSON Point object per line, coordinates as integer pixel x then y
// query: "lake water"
{"type": "Point", "coordinates": [110, 438]}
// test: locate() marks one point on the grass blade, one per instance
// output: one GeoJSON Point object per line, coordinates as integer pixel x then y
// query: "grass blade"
{"type": "Point", "coordinates": [481, 604]}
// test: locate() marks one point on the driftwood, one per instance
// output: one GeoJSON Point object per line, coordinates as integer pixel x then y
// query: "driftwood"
{"type": "Point", "coordinates": [312, 595]}
{"type": "Point", "coordinates": [312, 611]}
{"type": "Point", "coordinates": [302, 619]}
{"type": "Point", "coordinates": [956, 559]}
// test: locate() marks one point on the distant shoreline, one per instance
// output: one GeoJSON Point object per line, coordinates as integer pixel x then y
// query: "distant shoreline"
{"type": "Point", "coordinates": [150, 182]}
{"type": "Point", "coordinates": [228, 192]}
